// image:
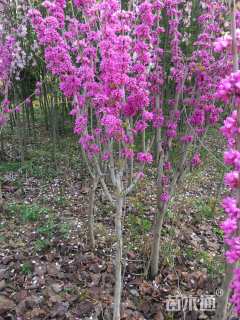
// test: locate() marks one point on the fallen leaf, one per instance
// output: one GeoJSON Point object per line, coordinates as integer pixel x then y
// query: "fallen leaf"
{"type": "Point", "coordinates": [2, 285]}
{"type": "Point", "coordinates": [36, 314]}
{"type": "Point", "coordinates": [60, 309]}
{"type": "Point", "coordinates": [145, 288]}
{"type": "Point", "coordinates": [6, 304]}
{"type": "Point", "coordinates": [56, 287]}
{"type": "Point", "coordinates": [85, 190]}
{"type": "Point", "coordinates": [85, 308]}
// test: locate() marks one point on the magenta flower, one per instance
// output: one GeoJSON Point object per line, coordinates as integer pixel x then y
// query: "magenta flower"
{"type": "Point", "coordinates": [140, 175]}
{"type": "Point", "coordinates": [17, 109]}
{"type": "Point", "coordinates": [140, 126]}
{"type": "Point", "coordinates": [196, 160]}
{"type": "Point", "coordinates": [236, 290]}
{"type": "Point", "coordinates": [28, 102]}
{"type": "Point", "coordinates": [231, 179]}
{"type": "Point", "coordinates": [128, 153]}
{"type": "Point", "coordinates": [145, 157]}
{"type": "Point", "coordinates": [80, 124]}
{"type": "Point", "coordinates": [165, 197]}
{"type": "Point", "coordinates": [230, 206]}
{"type": "Point", "coordinates": [229, 226]}
{"type": "Point", "coordinates": [167, 166]}
{"type": "Point", "coordinates": [106, 156]}
{"type": "Point", "coordinates": [187, 139]}
{"type": "Point", "coordinates": [147, 116]}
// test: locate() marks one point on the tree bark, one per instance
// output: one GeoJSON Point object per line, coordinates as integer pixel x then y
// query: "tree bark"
{"type": "Point", "coordinates": [118, 260]}
{"type": "Point", "coordinates": [155, 253]}
{"type": "Point", "coordinates": [1, 199]}
{"type": "Point", "coordinates": [91, 211]}
{"type": "Point", "coordinates": [222, 303]}
{"type": "Point", "coordinates": [2, 151]}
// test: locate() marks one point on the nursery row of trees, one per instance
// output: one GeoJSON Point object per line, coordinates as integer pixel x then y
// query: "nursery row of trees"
{"type": "Point", "coordinates": [142, 82]}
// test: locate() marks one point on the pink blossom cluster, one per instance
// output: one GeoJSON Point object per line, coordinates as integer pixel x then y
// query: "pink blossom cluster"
{"type": "Point", "coordinates": [225, 42]}
{"type": "Point", "coordinates": [105, 69]}
{"type": "Point", "coordinates": [236, 290]}
{"type": "Point", "coordinates": [110, 64]}
{"type": "Point", "coordinates": [16, 53]}
{"type": "Point", "coordinates": [145, 157]}
{"type": "Point", "coordinates": [6, 49]}
{"type": "Point", "coordinates": [229, 86]}
{"type": "Point", "coordinates": [6, 58]}
{"type": "Point", "coordinates": [227, 90]}
{"type": "Point", "coordinates": [204, 69]}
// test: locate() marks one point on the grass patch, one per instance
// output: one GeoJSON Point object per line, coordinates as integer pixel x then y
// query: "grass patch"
{"type": "Point", "coordinates": [64, 229]}
{"type": "Point", "coordinates": [169, 251]}
{"type": "Point", "coordinates": [214, 265]}
{"type": "Point", "coordinates": [6, 167]}
{"type": "Point", "coordinates": [205, 208]}
{"type": "Point", "coordinates": [27, 212]}
{"type": "Point", "coordinates": [42, 244]}
{"type": "Point", "coordinates": [48, 229]}
{"type": "Point", "coordinates": [138, 225]}
{"type": "Point", "coordinates": [61, 201]}
{"type": "Point", "coordinates": [218, 232]}
{"type": "Point", "coordinates": [26, 268]}
{"type": "Point", "coordinates": [32, 168]}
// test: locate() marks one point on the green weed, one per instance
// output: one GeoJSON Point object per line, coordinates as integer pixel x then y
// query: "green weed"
{"type": "Point", "coordinates": [27, 212]}
{"type": "Point", "coordinates": [6, 167]}
{"type": "Point", "coordinates": [212, 263]}
{"type": "Point", "coordinates": [47, 229]}
{"type": "Point", "coordinates": [26, 268]}
{"type": "Point", "coordinates": [218, 232]}
{"type": "Point", "coordinates": [139, 224]}
{"type": "Point", "coordinates": [64, 229]}
{"type": "Point", "coordinates": [169, 252]}
{"type": "Point", "coordinates": [61, 201]}
{"type": "Point", "coordinates": [42, 244]}
{"type": "Point", "coordinates": [205, 208]}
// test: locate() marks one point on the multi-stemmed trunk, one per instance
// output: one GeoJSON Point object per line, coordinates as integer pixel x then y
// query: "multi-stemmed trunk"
{"type": "Point", "coordinates": [163, 206]}
{"type": "Point", "coordinates": [155, 253]}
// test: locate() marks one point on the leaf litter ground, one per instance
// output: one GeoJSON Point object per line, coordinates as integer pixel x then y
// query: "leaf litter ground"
{"type": "Point", "coordinates": [47, 270]}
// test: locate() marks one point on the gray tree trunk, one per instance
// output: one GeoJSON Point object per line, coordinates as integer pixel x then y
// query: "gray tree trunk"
{"type": "Point", "coordinates": [118, 260]}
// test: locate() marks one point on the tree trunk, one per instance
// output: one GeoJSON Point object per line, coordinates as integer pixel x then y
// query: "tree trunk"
{"type": "Point", "coordinates": [22, 142]}
{"type": "Point", "coordinates": [2, 151]}
{"type": "Point", "coordinates": [118, 260]}
{"type": "Point", "coordinates": [1, 199]}
{"type": "Point", "coordinates": [222, 303]}
{"type": "Point", "coordinates": [54, 130]}
{"type": "Point", "coordinates": [154, 259]}
{"type": "Point", "coordinates": [91, 213]}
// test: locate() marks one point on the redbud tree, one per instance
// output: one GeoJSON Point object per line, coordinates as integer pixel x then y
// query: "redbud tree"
{"type": "Point", "coordinates": [130, 75]}
{"type": "Point", "coordinates": [102, 61]}
{"type": "Point", "coordinates": [228, 92]}
{"type": "Point", "coordinates": [183, 81]}
{"type": "Point", "coordinates": [17, 58]}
